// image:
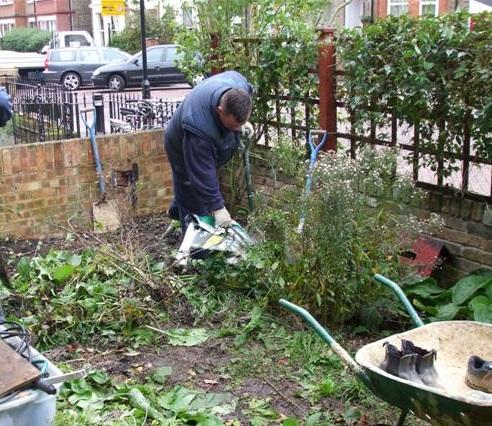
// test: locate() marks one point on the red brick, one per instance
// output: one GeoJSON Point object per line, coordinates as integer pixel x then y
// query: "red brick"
{"type": "Point", "coordinates": [58, 155]}
{"type": "Point", "coordinates": [6, 161]}
{"type": "Point", "coordinates": [24, 159]}
{"type": "Point", "coordinates": [34, 157]}
{"type": "Point", "coordinates": [44, 192]}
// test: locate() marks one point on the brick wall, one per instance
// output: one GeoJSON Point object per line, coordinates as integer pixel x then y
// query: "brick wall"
{"type": "Point", "coordinates": [44, 184]}
{"type": "Point", "coordinates": [467, 233]}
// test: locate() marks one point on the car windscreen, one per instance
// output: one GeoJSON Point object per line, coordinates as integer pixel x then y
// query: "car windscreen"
{"type": "Point", "coordinates": [111, 55]}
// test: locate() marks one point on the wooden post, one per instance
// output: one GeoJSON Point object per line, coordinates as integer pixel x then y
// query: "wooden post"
{"type": "Point", "coordinates": [214, 46]}
{"type": "Point", "coordinates": [327, 85]}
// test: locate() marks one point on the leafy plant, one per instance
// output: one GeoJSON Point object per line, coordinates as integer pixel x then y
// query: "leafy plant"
{"type": "Point", "coordinates": [129, 39]}
{"type": "Point", "coordinates": [356, 226]}
{"type": "Point", "coordinates": [25, 39]}
{"type": "Point", "coordinates": [431, 72]}
{"type": "Point", "coordinates": [469, 298]}
{"type": "Point", "coordinates": [99, 395]}
{"type": "Point", "coordinates": [274, 44]}
{"type": "Point", "coordinates": [68, 297]}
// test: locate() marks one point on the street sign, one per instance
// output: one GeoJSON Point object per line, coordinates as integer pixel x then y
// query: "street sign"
{"type": "Point", "coordinates": [112, 7]}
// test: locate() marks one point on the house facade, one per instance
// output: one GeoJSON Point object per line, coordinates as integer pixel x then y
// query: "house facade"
{"type": "Point", "coordinates": [50, 15]}
{"type": "Point", "coordinates": [357, 12]}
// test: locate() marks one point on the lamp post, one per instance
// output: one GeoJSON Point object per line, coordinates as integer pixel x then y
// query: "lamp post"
{"type": "Point", "coordinates": [145, 80]}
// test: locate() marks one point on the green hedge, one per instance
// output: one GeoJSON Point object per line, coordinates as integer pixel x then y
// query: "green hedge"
{"type": "Point", "coordinates": [432, 71]}
{"type": "Point", "coordinates": [25, 39]}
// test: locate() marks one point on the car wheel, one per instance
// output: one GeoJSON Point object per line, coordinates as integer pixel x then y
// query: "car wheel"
{"type": "Point", "coordinates": [71, 81]}
{"type": "Point", "coordinates": [116, 83]}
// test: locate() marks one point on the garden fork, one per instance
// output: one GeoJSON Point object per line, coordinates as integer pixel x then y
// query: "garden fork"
{"type": "Point", "coordinates": [313, 158]}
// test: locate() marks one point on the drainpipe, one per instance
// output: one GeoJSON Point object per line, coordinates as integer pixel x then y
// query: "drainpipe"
{"type": "Point", "coordinates": [70, 14]}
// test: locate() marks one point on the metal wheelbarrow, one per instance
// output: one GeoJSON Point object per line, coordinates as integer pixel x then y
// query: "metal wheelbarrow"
{"type": "Point", "coordinates": [454, 403]}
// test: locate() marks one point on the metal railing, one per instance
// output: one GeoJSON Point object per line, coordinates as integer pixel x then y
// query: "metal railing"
{"type": "Point", "coordinates": [45, 112]}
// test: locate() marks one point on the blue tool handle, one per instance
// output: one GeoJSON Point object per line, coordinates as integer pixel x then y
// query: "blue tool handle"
{"type": "Point", "coordinates": [84, 117]}
{"type": "Point", "coordinates": [315, 149]}
{"type": "Point", "coordinates": [403, 298]}
{"type": "Point", "coordinates": [91, 128]}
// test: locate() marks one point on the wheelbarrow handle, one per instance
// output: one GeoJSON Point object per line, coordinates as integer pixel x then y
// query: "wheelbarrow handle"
{"type": "Point", "coordinates": [323, 333]}
{"type": "Point", "coordinates": [403, 298]}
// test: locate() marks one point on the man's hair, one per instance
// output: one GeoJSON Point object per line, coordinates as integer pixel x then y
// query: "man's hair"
{"type": "Point", "coordinates": [238, 103]}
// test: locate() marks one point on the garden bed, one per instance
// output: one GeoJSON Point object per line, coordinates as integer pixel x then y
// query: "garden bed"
{"type": "Point", "coordinates": [255, 366]}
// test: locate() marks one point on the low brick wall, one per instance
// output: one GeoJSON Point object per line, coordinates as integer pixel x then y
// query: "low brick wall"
{"type": "Point", "coordinates": [42, 185]}
{"type": "Point", "coordinates": [467, 234]}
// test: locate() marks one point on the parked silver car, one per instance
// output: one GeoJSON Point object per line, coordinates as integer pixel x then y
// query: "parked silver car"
{"type": "Point", "coordinates": [73, 67]}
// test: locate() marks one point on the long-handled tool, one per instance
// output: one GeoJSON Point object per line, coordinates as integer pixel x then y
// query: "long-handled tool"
{"type": "Point", "coordinates": [105, 212]}
{"type": "Point", "coordinates": [245, 146]}
{"type": "Point", "coordinates": [313, 158]}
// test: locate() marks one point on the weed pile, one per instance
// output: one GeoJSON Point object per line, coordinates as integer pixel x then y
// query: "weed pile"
{"type": "Point", "coordinates": [89, 297]}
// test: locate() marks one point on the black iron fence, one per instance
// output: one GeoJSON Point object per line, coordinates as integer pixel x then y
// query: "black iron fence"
{"type": "Point", "coordinates": [44, 112]}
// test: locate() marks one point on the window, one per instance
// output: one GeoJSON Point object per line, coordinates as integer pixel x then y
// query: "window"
{"type": "Point", "coordinates": [90, 56]}
{"type": "Point", "coordinates": [47, 23]}
{"type": "Point", "coordinates": [76, 40]}
{"type": "Point", "coordinates": [397, 7]}
{"type": "Point", "coordinates": [63, 55]}
{"type": "Point", "coordinates": [6, 25]}
{"type": "Point", "coordinates": [114, 55]}
{"type": "Point", "coordinates": [428, 8]}
{"type": "Point", "coordinates": [155, 55]}
{"type": "Point", "coordinates": [171, 53]}
{"type": "Point", "coordinates": [187, 16]}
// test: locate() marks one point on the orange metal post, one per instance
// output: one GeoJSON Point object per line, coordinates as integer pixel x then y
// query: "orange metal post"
{"type": "Point", "coordinates": [327, 85]}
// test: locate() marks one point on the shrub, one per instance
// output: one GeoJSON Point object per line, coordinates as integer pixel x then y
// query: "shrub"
{"type": "Point", "coordinates": [163, 29]}
{"type": "Point", "coordinates": [432, 72]}
{"type": "Point", "coordinates": [355, 227]}
{"type": "Point", "coordinates": [25, 39]}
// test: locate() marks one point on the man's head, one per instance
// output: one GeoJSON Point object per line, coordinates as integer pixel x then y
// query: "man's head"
{"type": "Point", "coordinates": [234, 108]}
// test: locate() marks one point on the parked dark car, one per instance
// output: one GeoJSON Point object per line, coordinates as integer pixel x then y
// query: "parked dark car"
{"type": "Point", "coordinates": [73, 67]}
{"type": "Point", "coordinates": [161, 69]}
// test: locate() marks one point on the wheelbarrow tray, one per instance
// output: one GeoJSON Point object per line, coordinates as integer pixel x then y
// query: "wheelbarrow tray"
{"type": "Point", "coordinates": [453, 404]}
